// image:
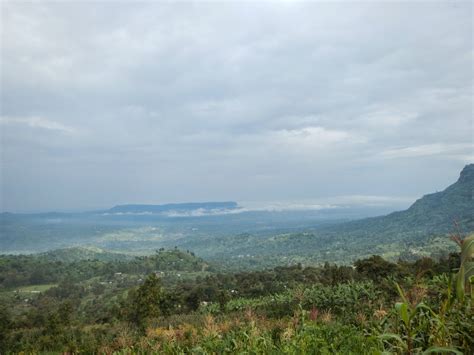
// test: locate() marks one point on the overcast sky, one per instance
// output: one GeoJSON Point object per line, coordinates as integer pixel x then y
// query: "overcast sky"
{"type": "Point", "coordinates": [112, 102]}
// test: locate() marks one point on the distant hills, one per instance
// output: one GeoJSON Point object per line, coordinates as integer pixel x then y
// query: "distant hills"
{"type": "Point", "coordinates": [249, 239]}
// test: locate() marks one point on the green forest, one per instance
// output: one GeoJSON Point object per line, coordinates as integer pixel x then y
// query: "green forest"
{"type": "Point", "coordinates": [174, 302]}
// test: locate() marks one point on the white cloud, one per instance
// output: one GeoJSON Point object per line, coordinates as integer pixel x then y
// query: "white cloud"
{"type": "Point", "coordinates": [387, 117]}
{"type": "Point", "coordinates": [370, 200]}
{"type": "Point", "coordinates": [328, 203]}
{"type": "Point", "coordinates": [301, 142]}
{"type": "Point", "coordinates": [428, 150]}
{"type": "Point", "coordinates": [37, 122]}
{"type": "Point", "coordinates": [309, 136]}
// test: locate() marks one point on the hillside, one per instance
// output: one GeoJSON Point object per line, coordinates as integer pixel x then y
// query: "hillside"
{"type": "Point", "coordinates": [83, 253]}
{"type": "Point", "coordinates": [68, 265]}
{"type": "Point", "coordinates": [433, 213]}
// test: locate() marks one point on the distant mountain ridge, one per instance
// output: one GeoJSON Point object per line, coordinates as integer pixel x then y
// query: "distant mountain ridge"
{"type": "Point", "coordinates": [181, 207]}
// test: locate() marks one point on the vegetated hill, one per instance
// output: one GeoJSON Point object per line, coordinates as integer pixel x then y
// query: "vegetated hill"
{"type": "Point", "coordinates": [180, 207]}
{"type": "Point", "coordinates": [21, 270]}
{"type": "Point", "coordinates": [83, 253]}
{"type": "Point", "coordinates": [172, 260]}
{"type": "Point", "coordinates": [432, 214]}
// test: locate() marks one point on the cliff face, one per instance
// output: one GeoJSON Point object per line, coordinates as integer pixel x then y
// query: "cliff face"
{"type": "Point", "coordinates": [467, 174]}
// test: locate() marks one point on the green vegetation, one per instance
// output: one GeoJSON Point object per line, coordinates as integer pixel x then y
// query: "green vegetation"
{"type": "Point", "coordinates": [465, 275]}
{"type": "Point", "coordinates": [392, 284]}
{"type": "Point", "coordinates": [36, 288]}
{"type": "Point", "coordinates": [173, 302]}
{"type": "Point", "coordinates": [83, 253]}
{"type": "Point", "coordinates": [23, 270]}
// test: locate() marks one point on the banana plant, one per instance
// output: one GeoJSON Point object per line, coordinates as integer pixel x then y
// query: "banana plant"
{"type": "Point", "coordinates": [465, 275]}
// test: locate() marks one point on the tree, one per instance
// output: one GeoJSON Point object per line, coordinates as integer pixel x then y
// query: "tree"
{"type": "Point", "coordinates": [5, 325]}
{"type": "Point", "coordinates": [144, 303]}
{"type": "Point", "coordinates": [375, 268]}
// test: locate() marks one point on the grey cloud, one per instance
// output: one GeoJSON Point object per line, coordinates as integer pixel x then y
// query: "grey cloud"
{"type": "Point", "coordinates": [163, 102]}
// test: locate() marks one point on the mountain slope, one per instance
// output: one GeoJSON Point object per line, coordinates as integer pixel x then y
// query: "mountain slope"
{"type": "Point", "coordinates": [433, 213]}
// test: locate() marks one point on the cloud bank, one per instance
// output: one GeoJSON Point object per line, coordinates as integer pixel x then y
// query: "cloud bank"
{"type": "Point", "coordinates": [105, 103]}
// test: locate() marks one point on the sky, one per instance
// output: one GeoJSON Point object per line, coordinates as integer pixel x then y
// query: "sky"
{"type": "Point", "coordinates": [104, 103]}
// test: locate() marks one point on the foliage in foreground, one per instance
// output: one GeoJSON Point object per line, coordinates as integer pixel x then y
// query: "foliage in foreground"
{"type": "Point", "coordinates": [375, 307]}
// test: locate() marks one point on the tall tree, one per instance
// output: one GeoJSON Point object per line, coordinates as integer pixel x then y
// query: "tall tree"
{"type": "Point", "coordinates": [145, 301]}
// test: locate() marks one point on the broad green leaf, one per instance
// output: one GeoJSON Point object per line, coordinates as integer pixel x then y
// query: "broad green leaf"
{"type": "Point", "coordinates": [401, 293]}
{"type": "Point", "coordinates": [402, 309]}
{"type": "Point", "coordinates": [436, 349]}
{"type": "Point", "coordinates": [460, 284]}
